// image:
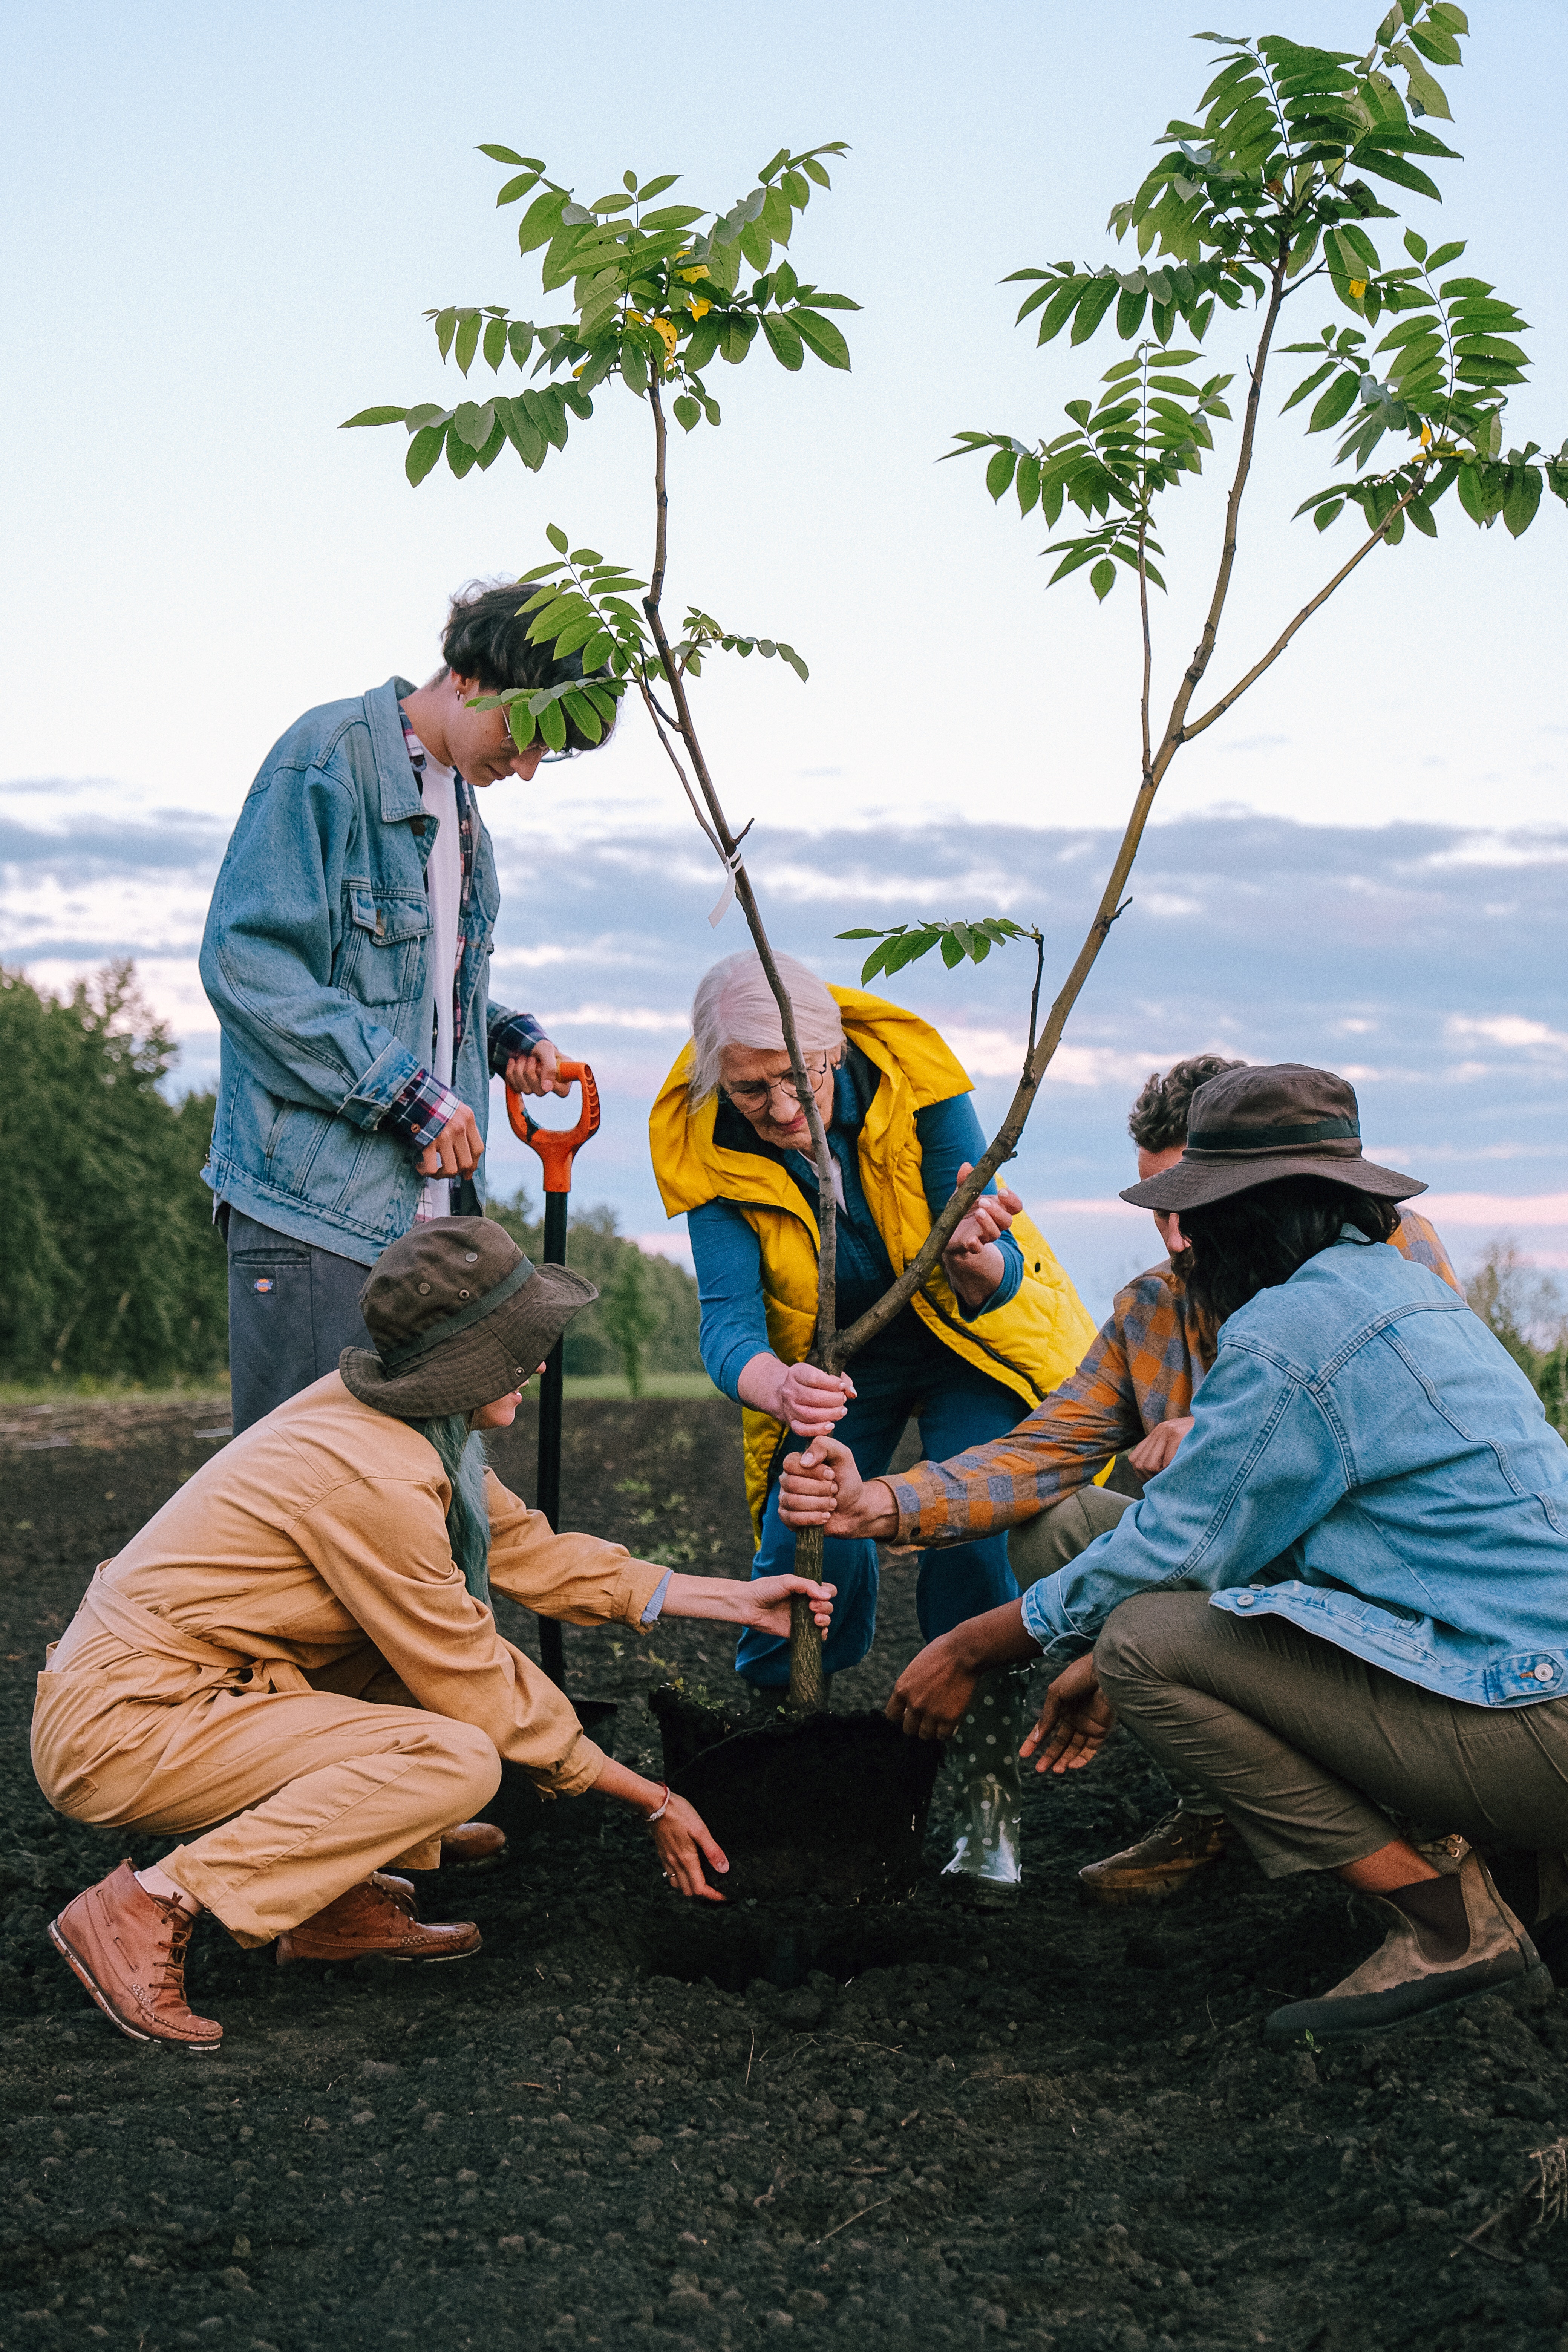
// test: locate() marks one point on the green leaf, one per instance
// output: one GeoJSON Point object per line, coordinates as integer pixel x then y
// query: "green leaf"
{"type": "Point", "coordinates": [495, 342]}
{"type": "Point", "coordinates": [1329, 512]}
{"type": "Point", "coordinates": [468, 339]}
{"type": "Point", "coordinates": [557, 538]}
{"type": "Point", "coordinates": [375, 416]}
{"type": "Point", "coordinates": [1309, 384]}
{"type": "Point", "coordinates": [580, 709]}
{"type": "Point", "coordinates": [473, 423]}
{"type": "Point", "coordinates": [513, 189]}
{"type": "Point", "coordinates": [423, 452]}
{"type": "Point", "coordinates": [1028, 482]}
{"type": "Point", "coordinates": [657, 187]}
{"type": "Point", "coordinates": [553, 726]}
{"type": "Point", "coordinates": [461, 457]}
{"type": "Point", "coordinates": [704, 342]}
{"type": "Point", "coordinates": [1385, 165]}
{"type": "Point", "coordinates": [506, 156]}
{"type": "Point", "coordinates": [633, 366]}
{"type": "Point", "coordinates": [1519, 508]}
{"type": "Point", "coordinates": [1092, 309]}
{"type": "Point", "coordinates": [1337, 402]}
{"type": "Point", "coordinates": [446, 327]}
{"type": "Point", "coordinates": [823, 337]}
{"type": "Point", "coordinates": [999, 472]}
{"type": "Point", "coordinates": [1102, 579]}
{"type": "Point", "coordinates": [785, 340]}
{"type": "Point", "coordinates": [523, 433]}
{"type": "Point", "coordinates": [541, 222]}
{"type": "Point", "coordinates": [686, 412]}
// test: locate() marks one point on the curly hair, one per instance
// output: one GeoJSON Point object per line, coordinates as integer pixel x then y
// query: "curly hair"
{"type": "Point", "coordinates": [1158, 1120]}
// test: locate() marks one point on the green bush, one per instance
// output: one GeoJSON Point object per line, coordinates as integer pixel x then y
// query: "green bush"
{"type": "Point", "coordinates": [1527, 1311]}
{"type": "Point", "coordinates": [639, 1293]}
{"type": "Point", "coordinates": [113, 1269]}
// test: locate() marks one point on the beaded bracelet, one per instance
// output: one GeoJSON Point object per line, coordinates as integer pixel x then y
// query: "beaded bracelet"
{"type": "Point", "coordinates": [649, 1819]}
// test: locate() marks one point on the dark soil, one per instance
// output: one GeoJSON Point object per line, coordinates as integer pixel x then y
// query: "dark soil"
{"type": "Point", "coordinates": [631, 2123]}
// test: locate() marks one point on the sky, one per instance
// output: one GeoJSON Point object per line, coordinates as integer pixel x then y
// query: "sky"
{"type": "Point", "coordinates": [226, 227]}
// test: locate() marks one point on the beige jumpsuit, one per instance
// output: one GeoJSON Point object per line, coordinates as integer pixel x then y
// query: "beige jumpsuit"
{"type": "Point", "coordinates": [286, 1668]}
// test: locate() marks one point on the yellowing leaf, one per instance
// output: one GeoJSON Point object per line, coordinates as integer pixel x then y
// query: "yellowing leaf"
{"type": "Point", "coordinates": [1358, 286]}
{"type": "Point", "coordinates": [699, 308]}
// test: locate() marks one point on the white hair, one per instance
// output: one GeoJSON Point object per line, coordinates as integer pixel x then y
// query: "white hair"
{"type": "Point", "coordinates": [734, 1006]}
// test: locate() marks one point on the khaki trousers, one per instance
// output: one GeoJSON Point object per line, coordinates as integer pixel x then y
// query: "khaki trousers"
{"type": "Point", "coordinates": [1040, 1546]}
{"type": "Point", "coordinates": [296, 1793]}
{"type": "Point", "coordinates": [1310, 1751]}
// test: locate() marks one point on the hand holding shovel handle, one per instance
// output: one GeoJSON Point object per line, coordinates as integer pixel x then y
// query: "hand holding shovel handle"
{"type": "Point", "coordinates": [556, 1146]}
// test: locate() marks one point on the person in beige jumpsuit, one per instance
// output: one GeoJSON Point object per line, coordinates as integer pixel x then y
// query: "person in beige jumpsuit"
{"type": "Point", "coordinates": [288, 1669]}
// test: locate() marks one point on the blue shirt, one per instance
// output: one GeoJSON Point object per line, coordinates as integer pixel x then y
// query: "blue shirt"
{"type": "Point", "coordinates": [1369, 1463]}
{"type": "Point", "coordinates": [727, 1255]}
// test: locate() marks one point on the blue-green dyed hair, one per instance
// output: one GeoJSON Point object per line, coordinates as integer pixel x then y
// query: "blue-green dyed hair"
{"type": "Point", "coordinates": [462, 1456]}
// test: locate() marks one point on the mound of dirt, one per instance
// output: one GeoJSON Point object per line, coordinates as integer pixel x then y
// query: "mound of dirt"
{"type": "Point", "coordinates": [633, 2122]}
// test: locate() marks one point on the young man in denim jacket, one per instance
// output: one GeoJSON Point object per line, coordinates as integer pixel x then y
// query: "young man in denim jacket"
{"type": "Point", "coordinates": [346, 954]}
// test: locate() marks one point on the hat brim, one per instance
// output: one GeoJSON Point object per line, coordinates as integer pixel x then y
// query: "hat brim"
{"type": "Point", "coordinates": [1195, 1179]}
{"type": "Point", "coordinates": [477, 1365]}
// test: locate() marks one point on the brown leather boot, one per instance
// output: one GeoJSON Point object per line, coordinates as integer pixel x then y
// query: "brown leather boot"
{"type": "Point", "coordinates": [1425, 1961]}
{"type": "Point", "coordinates": [1163, 1862]}
{"type": "Point", "coordinates": [472, 1846]}
{"type": "Point", "coordinates": [369, 1922]}
{"type": "Point", "coordinates": [128, 1948]}
{"type": "Point", "coordinates": [400, 1889]}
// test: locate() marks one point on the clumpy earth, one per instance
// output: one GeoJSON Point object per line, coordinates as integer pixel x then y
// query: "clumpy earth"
{"type": "Point", "coordinates": [632, 2123]}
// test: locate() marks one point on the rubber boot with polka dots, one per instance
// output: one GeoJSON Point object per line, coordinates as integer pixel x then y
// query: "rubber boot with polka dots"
{"type": "Point", "coordinates": [988, 1799]}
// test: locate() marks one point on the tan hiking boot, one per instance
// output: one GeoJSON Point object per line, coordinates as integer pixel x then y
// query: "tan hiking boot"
{"type": "Point", "coordinates": [400, 1889]}
{"type": "Point", "coordinates": [472, 1846]}
{"type": "Point", "coordinates": [1161, 1864]}
{"type": "Point", "coordinates": [370, 1922]}
{"type": "Point", "coordinates": [1448, 1937]}
{"type": "Point", "coordinates": [128, 1948]}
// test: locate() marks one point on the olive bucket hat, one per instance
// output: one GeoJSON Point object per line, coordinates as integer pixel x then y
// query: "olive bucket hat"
{"type": "Point", "coordinates": [459, 1317]}
{"type": "Point", "coordinates": [1248, 1125]}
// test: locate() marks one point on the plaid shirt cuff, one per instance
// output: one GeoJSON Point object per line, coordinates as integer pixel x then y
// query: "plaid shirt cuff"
{"type": "Point", "coordinates": [520, 1034]}
{"type": "Point", "coordinates": [418, 1114]}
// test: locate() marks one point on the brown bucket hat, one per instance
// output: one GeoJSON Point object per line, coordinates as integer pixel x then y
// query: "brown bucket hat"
{"type": "Point", "coordinates": [459, 1317]}
{"type": "Point", "coordinates": [1251, 1125]}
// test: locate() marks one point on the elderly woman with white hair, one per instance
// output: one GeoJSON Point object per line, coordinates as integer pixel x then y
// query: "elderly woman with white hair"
{"type": "Point", "coordinates": [995, 1327]}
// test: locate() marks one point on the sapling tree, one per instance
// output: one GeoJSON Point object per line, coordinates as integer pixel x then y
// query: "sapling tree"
{"type": "Point", "coordinates": [1268, 200]}
{"type": "Point", "coordinates": [655, 296]}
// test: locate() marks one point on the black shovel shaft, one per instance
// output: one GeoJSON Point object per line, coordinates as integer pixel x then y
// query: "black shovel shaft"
{"type": "Point", "coordinates": [552, 1648]}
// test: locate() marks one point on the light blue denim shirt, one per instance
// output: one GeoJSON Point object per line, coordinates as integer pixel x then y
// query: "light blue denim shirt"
{"type": "Point", "coordinates": [1369, 1463]}
{"type": "Point", "coordinates": [316, 960]}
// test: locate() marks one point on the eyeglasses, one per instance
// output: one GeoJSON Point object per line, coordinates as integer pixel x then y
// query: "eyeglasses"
{"type": "Point", "coordinates": [756, 1094]}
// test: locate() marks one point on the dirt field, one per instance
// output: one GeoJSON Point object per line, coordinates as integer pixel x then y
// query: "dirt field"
{"type": "Point", "coordinates": [625, 2124]}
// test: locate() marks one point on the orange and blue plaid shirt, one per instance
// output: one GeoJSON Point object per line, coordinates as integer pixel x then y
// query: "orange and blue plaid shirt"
{"type": "Point", "coordinates": [1141, 1370]}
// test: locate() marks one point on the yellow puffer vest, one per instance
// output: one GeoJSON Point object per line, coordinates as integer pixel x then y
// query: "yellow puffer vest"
{"type": "Point", "coordinates": [1031, 1344]}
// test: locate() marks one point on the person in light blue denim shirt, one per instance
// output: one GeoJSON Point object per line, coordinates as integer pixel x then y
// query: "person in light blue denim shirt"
{"type": "Point", "coordinates": [1343, 1608]}
{"type": "Point", "coordinates": [346, 954]}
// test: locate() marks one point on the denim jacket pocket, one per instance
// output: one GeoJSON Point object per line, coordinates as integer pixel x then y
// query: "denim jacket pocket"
{"type": "Point", "coordinates": [383, 956]}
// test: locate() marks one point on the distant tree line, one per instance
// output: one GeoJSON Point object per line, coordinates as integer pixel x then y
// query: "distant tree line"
{"type": "Point", "coordinates": [1529, 1313]}
{"type": "Point", "coordinates": [112, 1268]}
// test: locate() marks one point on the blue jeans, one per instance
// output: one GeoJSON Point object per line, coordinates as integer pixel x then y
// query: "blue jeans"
{"type": "Point", "coordinates": [909, 1374]}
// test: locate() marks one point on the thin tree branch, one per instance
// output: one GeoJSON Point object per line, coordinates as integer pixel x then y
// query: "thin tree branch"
{"type": "Point", "coordinates": [728, 851]}
{"type": "Point", "coordinates": [1305, 614]}
{"type": "Point", "coordinates": [1001, 1146]}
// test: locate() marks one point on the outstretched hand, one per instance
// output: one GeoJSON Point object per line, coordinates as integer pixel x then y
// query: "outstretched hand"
{"type": "Point", "coordinates": [1075, 1721]}
{"type": "Point", "coordinates": [683, 1842]}
{"type": "Point", "coordinates": [769, 1599]}
{"type": "Point", "coordinates": [931, 1695]}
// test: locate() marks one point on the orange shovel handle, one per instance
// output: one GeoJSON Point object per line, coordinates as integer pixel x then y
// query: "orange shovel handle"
{"type": "Point", "coordinates": [557, 1145]}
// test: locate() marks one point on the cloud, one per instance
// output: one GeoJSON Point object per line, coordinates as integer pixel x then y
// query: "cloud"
{"type": "Point", "coordinates": [1508, 1029]}
{"type": "Point", "coordinates": [1495, 1210]}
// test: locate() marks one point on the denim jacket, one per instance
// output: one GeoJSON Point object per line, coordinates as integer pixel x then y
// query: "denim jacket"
{"type": "Point", "coordinates": [1367, 1462]}
{"type": "Point", "coordinates": [316, 960]}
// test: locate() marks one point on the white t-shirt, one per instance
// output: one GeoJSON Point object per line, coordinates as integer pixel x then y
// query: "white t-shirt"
{"type": "Point", "coordinates": [444, 890]}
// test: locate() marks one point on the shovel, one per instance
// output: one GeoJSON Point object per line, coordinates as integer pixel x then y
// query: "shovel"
{"type": "Point", "coordinates": [557, 1147]}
